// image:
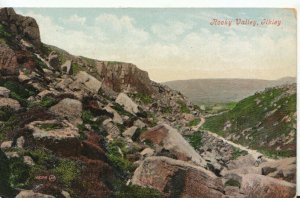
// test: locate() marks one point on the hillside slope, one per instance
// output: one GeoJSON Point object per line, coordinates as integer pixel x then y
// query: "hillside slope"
{"type": "Point", "coordinates": [265, 121]}
{"type": "Point", "coordinates": [201, 91]}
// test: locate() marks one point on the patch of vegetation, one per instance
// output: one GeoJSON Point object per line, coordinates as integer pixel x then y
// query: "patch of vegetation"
{"type": "Point", "coordinates": [194, 122]}
{"type": "Point", "coordinates": [134, 191]}
{"type": "Point", "coordinates": [149, 143]}
{"type": "Point", "coordinates": [47, 101]}
{"type": "Point", "coordinates": [19, 91]}
{"type": "Point", "coordinates": [90, 62]}
{"type": "Point", "coordinates": [4, 34]}
{"type": "Point", "coordinates": [39, 62]}
{"type": "Point", "coordinates": [116, 153]}
{"type": "Point", "coordinates": [67, 171]}
{"type": "Point", "coordinates": [45, 49]}
{"type": "Point", "coordinates": [183, 107]}
{"type": "Point", "coordinates": [232, 182]}
{"type": "Point", "coordinates": [153, 120]}
{"type": "Point", "coordinates": [76, 68]}
{"type": "Point", "coordinates": [5, 113]}
{"type": "Point", "coordinates": [237, 153]}
{"type": "Point", "coordinates": [81, 129]}
{"type": "Point", "coordinates": [195, 139]}
{"type": "Point", "coordinates": [19, 173]}
{"type": "Point", "coordinates": [278, 154]}
{"type": "Point", "coordinates": [120, 109]}
{"type": "Point", "coordinates": [143, 98]}
{"type": "Point", "coordinates": [49, 126]}
{"type": "Point", "coordinates": [112, 63]}
{"type": "Point", "coordinates": [7, 126]}
{"type": "Point", "coordinates": [87, 116]}
{"type": "Point", "coordinates": [166, 109]}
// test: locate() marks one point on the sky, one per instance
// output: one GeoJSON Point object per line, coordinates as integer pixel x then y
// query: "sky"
{"type": "Point", "coordinates": [176, 43]}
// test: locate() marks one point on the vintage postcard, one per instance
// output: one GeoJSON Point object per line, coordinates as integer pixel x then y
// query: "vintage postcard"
{"type": "Point", "coordinates": [148, 102]}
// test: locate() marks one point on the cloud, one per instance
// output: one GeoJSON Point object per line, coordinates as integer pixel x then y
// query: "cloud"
{"type": "Point", "coordinates": [170, 30]}
{"type": "Point", "coordinates": [74, 19]}
{"type": "Point", "coordinates": [122, 28]}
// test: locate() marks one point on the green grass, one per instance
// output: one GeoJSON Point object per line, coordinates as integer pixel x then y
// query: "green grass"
{"type": "Point", "coordinates": [237, 153]}
{"type": "Point", "coordinates": [4, 34]}
{"type": "Point", "coordinates": [19, 173]}
{"type": "Point", "coordinates": [232, 182]}
{"type": "Point", "coordinates": [5, 113]}
{"type": "Point", "coordinates": [183, 107]}
{"type": "Point", "coordinates": [120, 109]}
{"type": "Point", "coordinates": [194, 122]}
{"type": "Point", "coordinates": [112, 63]}
{"type": "Point", "coordinates": [67, 171]}
{"type": "Point", "coordinates": [76, 68]}
{"type": "Point", "coordinates": [47, 101]}
{"type": "Point", "coordinates": [143, 98]}
{"type": "Point", "coordinates": [166, 109]}
{"type": "Point", "coordinates": [195, 139]}
{"type": "Point", "coordinates": [49, 126]}
{"type": "Point", "coordinates": [116, 157]}
{"type": "Point", "coordinates": [19, 91]}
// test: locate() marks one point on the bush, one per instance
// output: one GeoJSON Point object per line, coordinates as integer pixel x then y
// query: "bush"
{"type": "Point", "coordinates": [232, 182]}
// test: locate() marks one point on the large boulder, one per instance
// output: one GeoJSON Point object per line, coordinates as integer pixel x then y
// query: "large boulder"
{"type": "Point", "coordinates": [254, 185]}
{"type": "Point", "coordinates": [31, 194]}
{"type": "Point", "coordinates": [243, 161]}
{"type": "Point", "coordinates": [69, 108]}
{"type": "Point", "coordinates": [8, 61]}
{"type": "Point", "coordinates": [60, 137]}
{"type": "Point", "coordinates": [176, 178]}
{"type": "Point", "coordinates": [128, 104]}
{"type": "Point", "coordinates": [90, 82]}
{"type": "Point", "coordinates": [10, 103]}
{"type": "Point", "coordinates": [170, 139]}
{"type": "Point", "coordinates": [283, 169]}
{"type": "Point", "coordinates": [4, 92]}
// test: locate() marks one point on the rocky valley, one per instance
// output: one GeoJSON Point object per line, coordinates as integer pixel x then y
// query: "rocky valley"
{"type": "Point", "coordinates": [72, 126]}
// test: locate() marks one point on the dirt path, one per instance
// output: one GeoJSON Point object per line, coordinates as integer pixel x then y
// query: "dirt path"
{"type": "Point", "coordinates": [254, 153]}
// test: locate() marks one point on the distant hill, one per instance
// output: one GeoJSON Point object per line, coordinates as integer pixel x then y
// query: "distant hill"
{"type": "Point", "coordinates": [202, 91]}
{"type": "Point", "coordinates": [265, 121]}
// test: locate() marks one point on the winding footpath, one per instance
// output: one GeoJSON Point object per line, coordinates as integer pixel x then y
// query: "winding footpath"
{"type": "Point", "coordinates": [254, 153]}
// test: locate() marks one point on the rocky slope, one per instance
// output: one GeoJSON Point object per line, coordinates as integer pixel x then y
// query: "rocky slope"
{"type": "Point", "coordinates": [76, 127]}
